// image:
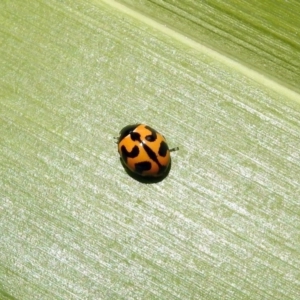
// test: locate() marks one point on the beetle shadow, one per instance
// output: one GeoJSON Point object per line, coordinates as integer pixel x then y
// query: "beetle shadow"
{"type": "Point", "coordinates": [146, 179]}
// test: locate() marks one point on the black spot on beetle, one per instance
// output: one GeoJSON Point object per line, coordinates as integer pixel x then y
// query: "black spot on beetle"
{"type": "Point", "coordinates": [153, 136]}
{"type": "Point", "coordinates": [151, 153]}
{"type": "Point", "coordinates": [163, 149]}
{"type": "Point", "coordinates": [133, 153]}
{"type": "Point", "coordinates": [142, 166]}
{"type": "Point", "coordinates": [135, 136]}
{"type": "Point", "coordinates": [150, 138]}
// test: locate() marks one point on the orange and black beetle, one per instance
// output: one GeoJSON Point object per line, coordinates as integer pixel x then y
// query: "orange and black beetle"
{"type": "Point", "coordinates": [144, 151]}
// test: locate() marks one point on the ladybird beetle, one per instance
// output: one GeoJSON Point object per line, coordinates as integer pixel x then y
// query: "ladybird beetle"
{"type": "Point", "coordinates": [144, 151]}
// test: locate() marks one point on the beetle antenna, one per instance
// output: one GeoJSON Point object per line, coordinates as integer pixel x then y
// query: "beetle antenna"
{"type": "Point", "coordinates": [174, 149]}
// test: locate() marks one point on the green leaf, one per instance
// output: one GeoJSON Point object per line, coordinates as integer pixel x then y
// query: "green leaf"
{"type": "Point", "coordinates": [219, 80]}
{"type": "Point", "coordinates": [262, 35]}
